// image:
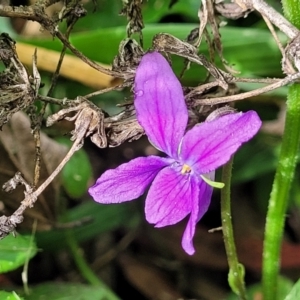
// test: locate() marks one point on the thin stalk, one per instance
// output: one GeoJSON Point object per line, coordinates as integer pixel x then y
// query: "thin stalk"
{"type": "Point", "coordinates": [236, 274]}
{"type": "Point", "coordinates": [283, 178]}
{"type": "Point", "coordinates": [279, 195]}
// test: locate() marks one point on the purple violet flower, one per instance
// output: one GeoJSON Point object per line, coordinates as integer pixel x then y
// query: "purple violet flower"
{"type": "Point", "coordinates": [181, 182]}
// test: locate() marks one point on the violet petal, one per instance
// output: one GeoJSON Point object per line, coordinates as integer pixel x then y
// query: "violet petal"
{"type": "Point", "coordinates": [128, 181]}
{"type": "Point", "coordinates": [209, 145]}
{"type": "Point", "coordinates": [200, 207]}
{"type": "Point", "coordinates": [170, 197]}
{"type": "Point", "coordinates": [159, 103]}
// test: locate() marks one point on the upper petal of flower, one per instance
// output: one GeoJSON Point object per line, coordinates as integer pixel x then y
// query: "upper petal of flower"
{"type": "Point", "coordinates": [209, 145]}
{"type": "Point", "coordinates": [159, 103]}
{"type": "Point", "coordinates": [200, 207]}
{"type": "Point", "coordinates": [170, 197]}
{"type": "Point", "coordinates": [128, 181]}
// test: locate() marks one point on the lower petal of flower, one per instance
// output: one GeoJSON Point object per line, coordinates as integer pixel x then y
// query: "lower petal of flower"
{"type": "Point", "coordinates": [128, 181]}
{"type": "Point", "coordinates": [200, 206]}
{"type": "Point", "coordinates": [170, 197]}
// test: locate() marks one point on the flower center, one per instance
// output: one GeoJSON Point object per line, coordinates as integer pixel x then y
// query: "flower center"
{"type": "Point", "coordinates": [185, 169]}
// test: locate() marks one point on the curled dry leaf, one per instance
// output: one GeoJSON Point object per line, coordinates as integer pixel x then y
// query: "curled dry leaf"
{"type": "Point", "coordinates": [127, 130]}
{"type": "Point", "coordinates": [232, 10]}
{"type": "Point", "coordinates": [89, 121]}
{"type": "Point", "coordinates": [133, 10]}
{"type": "Point", "coordinates": [123, 126]}
{"type": "Point", "coordinates": [88, 118]}
{"type": "Point", "coordinates": [128, 58]}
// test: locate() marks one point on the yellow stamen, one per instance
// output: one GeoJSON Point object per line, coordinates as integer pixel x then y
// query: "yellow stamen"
{"type": "Point", "coordinates": [215, 184]}
{"type": "Point", "coordinates": [185, 169]}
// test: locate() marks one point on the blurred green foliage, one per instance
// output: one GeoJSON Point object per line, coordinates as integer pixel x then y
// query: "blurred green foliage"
{"type": "Point", "coordinates": [255, 291]}
{"type": "Point", "coordinates": [9, 296]}
{"type": "Point", "coordinates": [294, 294]}
{"type": "Point", "coordinates": [68, 291]}
{"type": "Point", "coordinates": [96, 219]}
{"type": "Point", "coordinates": [77, 173]}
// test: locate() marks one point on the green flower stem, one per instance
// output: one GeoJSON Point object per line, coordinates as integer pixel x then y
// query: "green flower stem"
{"type": "Point", "coordinates": [279, 194]}
{"type": "Point", "coordinates": [283, 178]}
{"type": "Point", "coordinates": [84, 268]}
{"type": "Point", "coordinates": [236, 274]}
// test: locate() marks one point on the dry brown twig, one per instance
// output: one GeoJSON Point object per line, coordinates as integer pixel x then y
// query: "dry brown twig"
{"type": "Point", "coordinates": [87, 121]}
{"type": "Point", "coordinates": [271, 14]}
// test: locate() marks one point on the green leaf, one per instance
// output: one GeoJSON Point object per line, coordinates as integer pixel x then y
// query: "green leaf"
{"type": "Point", "coordinates": [77, 172]}
{"type": "Point", "coordinates": [69, 291]}
{"type": "Point", "coordinates": [15, 251]}
{"type": "Point", "coordinates": [294, 294]}
{"type": "Point", "coordinates": [9, 296]}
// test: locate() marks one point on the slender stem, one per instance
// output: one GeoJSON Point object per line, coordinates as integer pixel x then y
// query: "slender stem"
{"type": "Point", "coordinates": [279, 194]}
{"type": "Point", "coordinates": [280, 83]}
{"type": "Point", "coordinates": [84, 268]}
{"type": "Point", "coordinates": [283, 178]}
{"type": "Point", "coordinates": [276, 18]}
{"type": "Point", "coordinates": [236, 276]}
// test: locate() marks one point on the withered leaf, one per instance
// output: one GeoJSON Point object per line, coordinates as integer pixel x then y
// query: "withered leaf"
{"type": "Point", "coordinates": [133, 10]}
{"type": "Point", "coordinates": [231, 10]}
{"type": "Point", "coordinates": [88, 118]}
{"type": "Point", "coordinates": [16, 90]}
{"type": "Point", "coordinates": [123, 126]}
{"type": "Point", "coordinates": [128, 58]}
